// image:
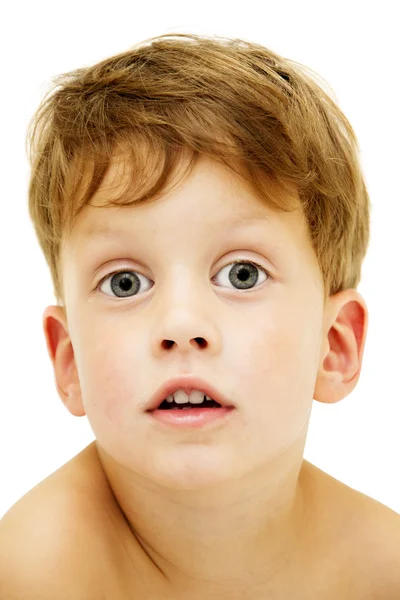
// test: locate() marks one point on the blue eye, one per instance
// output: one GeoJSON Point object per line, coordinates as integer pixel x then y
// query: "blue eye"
{"type": "Point", "coordinates": [242, 274]}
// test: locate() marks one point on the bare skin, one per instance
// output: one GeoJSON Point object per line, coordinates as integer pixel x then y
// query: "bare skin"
{"type": "Point", "coordinates": [351, 550]}
{"type": "Point", "coordinates": [232, 512]}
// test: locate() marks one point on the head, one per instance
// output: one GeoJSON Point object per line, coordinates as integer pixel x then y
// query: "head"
{"type": "Point", "coordinates": [195, 152]}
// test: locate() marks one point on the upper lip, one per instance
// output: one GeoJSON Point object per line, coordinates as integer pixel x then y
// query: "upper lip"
{"type": "Point", "coordinates": [187, 384]}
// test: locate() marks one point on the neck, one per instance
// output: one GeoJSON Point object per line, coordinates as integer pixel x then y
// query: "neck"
{"type": "Point", "coordinates": [237, 535]}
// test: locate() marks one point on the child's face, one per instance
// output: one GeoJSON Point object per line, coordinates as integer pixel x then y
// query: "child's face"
{"type": "Point", "coordinates": [261, 347]}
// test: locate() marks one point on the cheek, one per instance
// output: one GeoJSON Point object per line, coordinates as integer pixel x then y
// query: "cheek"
{"type": "Point", "coordinates": [110, 379]}
{"type": "Point", "coordinates": [275, 369]}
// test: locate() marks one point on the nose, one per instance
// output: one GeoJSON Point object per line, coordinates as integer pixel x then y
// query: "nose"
{"type": "Point", "coordinates": [197, 341]}
{"type": "Point", "coordinates": [184, 319]}
{"type": "Point", "coordinates": [175, 333]}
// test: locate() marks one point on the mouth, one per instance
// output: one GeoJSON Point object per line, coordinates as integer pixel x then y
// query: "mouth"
{"type": "Point", "coordinates": [186, 393]}
{"type": "Point", "coordinates": [193, 416]}
{"type": "Point", "coordinates": [165, 405]}
{"type": "Point", "coordinates": [188, 402]}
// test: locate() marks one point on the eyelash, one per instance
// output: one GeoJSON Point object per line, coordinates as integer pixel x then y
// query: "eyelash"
{"type": "Point", "coordinates": [127, 270]}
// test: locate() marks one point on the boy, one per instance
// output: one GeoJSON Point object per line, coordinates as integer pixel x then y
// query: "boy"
{"type": "Point", "coordinates": [223, 184]}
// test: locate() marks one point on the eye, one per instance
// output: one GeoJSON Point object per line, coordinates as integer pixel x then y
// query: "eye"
{"type": "Point", "coordinates": [242, 274]}
{"type": "Point", "coordinates": [123, 283]}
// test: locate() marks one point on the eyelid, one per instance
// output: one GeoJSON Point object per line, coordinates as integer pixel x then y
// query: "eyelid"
{"type": "Point", "coordinates": [230, 262]}
{"type": "Point", "coordinates": [234, 261]}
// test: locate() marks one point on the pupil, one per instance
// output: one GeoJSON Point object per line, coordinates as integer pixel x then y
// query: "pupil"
{"type": "Point", "coordinates": [243, 274]}
{"type": "Point", "coordinates": [125, 284]}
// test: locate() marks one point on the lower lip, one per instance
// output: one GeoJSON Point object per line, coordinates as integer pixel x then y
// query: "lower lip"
{"type": "Point", "coordinates": [191, 417]}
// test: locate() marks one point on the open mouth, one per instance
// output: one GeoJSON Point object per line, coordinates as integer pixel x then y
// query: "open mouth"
{"type": "Point", "coordinates": [187, 415]}
{"type": "Point", "coordinates": [187, 405]}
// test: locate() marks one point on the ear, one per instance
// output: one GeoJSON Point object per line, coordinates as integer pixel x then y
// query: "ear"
{"type": "Point", "coordinates": [61, 352]}
{"type": "Point", "coordinates": [344, 334]}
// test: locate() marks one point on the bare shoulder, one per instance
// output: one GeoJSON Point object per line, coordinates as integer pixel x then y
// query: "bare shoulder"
{"type": "Point", "coordinates": [366, 534]}
{"type": "Point", "coordinates": [380, 535]}
{"type": "Point", "coordinates": [53, 540]}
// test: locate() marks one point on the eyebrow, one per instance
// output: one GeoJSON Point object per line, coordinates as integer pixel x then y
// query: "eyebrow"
{"type": "Point", "coordinates": [104, 231]}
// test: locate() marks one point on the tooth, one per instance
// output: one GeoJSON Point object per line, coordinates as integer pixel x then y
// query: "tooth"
{"type": "Point", "coordinates": [196, 397]}
{"type": "Point", "coordinates": [181, 397]}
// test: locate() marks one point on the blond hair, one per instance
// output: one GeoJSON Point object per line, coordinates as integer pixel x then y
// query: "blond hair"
{"type": "Point", "coordinates": [260, 114]}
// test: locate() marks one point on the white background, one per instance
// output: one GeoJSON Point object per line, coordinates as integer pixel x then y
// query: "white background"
{"type": "Point", "coordinates": [353, 47]}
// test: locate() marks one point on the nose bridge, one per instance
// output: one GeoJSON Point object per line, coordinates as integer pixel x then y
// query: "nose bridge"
{"type": "Point", "coordinates": [182, 317]}
{"type": "Point", "coordinates": [181, 285]}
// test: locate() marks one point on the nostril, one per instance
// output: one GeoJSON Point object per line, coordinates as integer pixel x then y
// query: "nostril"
{"type": "Point", "coordinates": [167, 343]}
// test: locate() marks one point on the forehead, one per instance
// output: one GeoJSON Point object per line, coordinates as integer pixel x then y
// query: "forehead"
{"type": "Point", "coordinates": [211, 195]}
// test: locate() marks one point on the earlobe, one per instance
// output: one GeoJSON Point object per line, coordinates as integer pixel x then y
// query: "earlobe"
{"type": "Point", "coordinates": [344, 336]}
{"type": "Point", "coordinates": [61, 353]}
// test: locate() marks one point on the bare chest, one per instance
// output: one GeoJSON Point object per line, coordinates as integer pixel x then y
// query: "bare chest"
{"type": "Point", "coordinates": [346, 577]}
